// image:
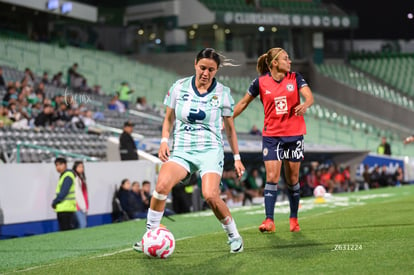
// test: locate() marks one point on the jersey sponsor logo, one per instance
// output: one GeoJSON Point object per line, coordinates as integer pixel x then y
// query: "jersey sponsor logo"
{"type": "Point", "coordinates": [281, 105]}
{"type": "Point", "coordinates": [214, 102]}
{"type": "Point", "coordinates": [267, 92]}
{"type": "Point", "coordinates": [196, 114]}
{"type": "Point", "coordinates": [297, 153]}
{"type": "Point", "coordinates": [290, 87]}
{"type": "Point", "coordinates": [185, 97]}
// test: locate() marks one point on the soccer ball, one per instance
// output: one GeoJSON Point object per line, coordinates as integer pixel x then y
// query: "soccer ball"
{"type": "Point", "coordinates": [319, 191]}
{"type": "Point", "coordinates": [158, 243]}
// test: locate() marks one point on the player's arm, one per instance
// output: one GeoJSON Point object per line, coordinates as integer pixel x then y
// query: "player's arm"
{"type": "Point", "coordinates": [242, 104]}
{"type": "Point", "coordinates": [167, 126]}
{"type": "Point", "coordinates": [232, 140]}
{"type": "Point", "coordinates": [307, 94]}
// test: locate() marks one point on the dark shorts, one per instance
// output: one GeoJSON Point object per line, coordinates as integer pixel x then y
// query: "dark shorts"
{"type": "Point", "coordinates": [283, 148]}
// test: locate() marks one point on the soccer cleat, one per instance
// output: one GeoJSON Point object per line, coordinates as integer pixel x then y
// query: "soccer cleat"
{"type": "Point", "coordinates": [267, 226]}
{"type": "Point", "coordinates": [294, 225]}
{"type": "Point", "coordinates": [236, 245]}
{"type": "Point", "coordinates": [137, 246]}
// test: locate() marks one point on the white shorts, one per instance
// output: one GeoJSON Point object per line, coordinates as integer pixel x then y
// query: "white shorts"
{"type": "Point", "coordinates": [211, 161]}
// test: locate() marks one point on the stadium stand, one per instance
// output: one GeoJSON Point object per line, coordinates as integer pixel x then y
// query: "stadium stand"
{"type": "Point", "coordinates": [394, 69]}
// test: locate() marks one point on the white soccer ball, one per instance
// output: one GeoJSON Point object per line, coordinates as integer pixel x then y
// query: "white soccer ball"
{"type": "Point", "coordinates": [158, 243]}
{"type": "Point", "coordinates": [319, 191]}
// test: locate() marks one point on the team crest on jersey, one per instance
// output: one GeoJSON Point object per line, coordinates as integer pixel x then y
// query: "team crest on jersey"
{"type": "Point", "coordinates": [290, 87]}
{"type": "Point", "coordinates": [281, 105]}
{"type": "Point", "coordinates": [214, 102]}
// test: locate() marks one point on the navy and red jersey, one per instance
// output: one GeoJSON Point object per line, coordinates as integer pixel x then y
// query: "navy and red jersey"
{"type": "Point", "coordinates": [279, 98]}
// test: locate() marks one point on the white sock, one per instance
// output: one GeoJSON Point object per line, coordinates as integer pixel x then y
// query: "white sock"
{"type": "Point", "coordinates": [154, 218]}
{"type": "Point", "coordinates": [230, 228]}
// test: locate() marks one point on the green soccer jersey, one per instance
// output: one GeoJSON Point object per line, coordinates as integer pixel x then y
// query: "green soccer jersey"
{"type": "Point", "coordinates": [199, 120]}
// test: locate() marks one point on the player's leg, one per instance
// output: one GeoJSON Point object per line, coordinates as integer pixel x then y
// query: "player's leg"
{"type": "Point", "coordinates": [291, 169]}
{"type": "Point", "coordinates": [210, 184]}
{"type": "Point", "coordinates": [170, 174]}
{"type": "Point", "coordinates": [270, 194]}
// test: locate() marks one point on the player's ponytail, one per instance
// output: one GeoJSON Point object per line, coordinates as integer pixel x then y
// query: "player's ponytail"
{"type": "Point", "coordinates": [264, 62]}
{"type": "Point", "coordinates": [262, 67]}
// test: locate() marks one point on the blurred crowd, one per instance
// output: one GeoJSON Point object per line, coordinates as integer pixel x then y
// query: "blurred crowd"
{"type": "Point", "coordinates": [26, 104]}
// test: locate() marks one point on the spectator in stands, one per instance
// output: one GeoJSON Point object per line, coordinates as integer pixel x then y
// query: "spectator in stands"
{"type": "Point", "coordinates": [115, 104]}
{"type": "Point", "coordinates": [384, 148]}
{"type": "Point", "coordinates": [398, 176]}
{"type": "Point", "coordinates": [57, 80]}
{"type": "Point", "coordinates": [97, 90]}
{"type": "Point", "coordinates": [146, 194]}
{"type": "Point", "coordinates": [253, 185]}
{"type": "Point", "coordinates": [311, 180]}
{"type": "Point", "coordinates": [62, 115]}
{"type": "Point", "coordinates": [125, 196]}
{"type": "Point", "coordinates": [13, 114]}
{"type": "Point", "coordinates": [81, 194]}
{"type": "Point", "coordinates": [45, 78]}
{"type": "Point", "coordinates": [40, 89]}
{"type": "Point", "coordinates": [4, 118]}
{"type": "Point", "coordinates": [375, 177]}
{"type": "Point", "coordinates": [233, 189]}
{"type": "Point", "coordinates": [127, 147]}
{"type": "Point", "coordinates": [125, 94]}
{"type": "Point", "coordinates": [137, 209]}
{"type": "Point", "coordinates": [142, 104]}
{"type": "Point", "coordinates": [192, 119]}
{"type": "Point", "coordinates": [181, 199]}
{"type": "Point", "coordinates": [11, 93]}
{"type": "Point", "coordinates": [385, 178]}
{"type": "Point", "coordinates": [74, 78]}
{"type": "Point", "coordinates": [366, 177]}
{"type": "Point", "coordinates": [87, 118]}
{"type": "Point", "coordinates": [28, 78]}
{"type": "Point", "coordinates": [76, 121]}
{"type": "Point", "coordinates": [57, 100]}
{"type": "Point", "coordinates": [65, 202]}
{"type": "Point", "coordinates": [45, 118]}
{"type": "Point", "coordinates": [2, 81]}
{"type": "Point", "coordinates": [255, 131]}
{"type": "Point", "coordinates": [284, 126]}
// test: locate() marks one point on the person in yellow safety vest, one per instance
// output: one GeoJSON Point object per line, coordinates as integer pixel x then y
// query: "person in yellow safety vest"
{"type": "Point", "coordinates": [65, 201]}
{"type": "Point", "coordinates": [125, 94]}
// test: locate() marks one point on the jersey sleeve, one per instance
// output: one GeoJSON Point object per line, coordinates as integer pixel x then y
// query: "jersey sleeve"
{"type": "Point", "coordinates": [228, 103]}
{"type": "Point", "coordinates": [300, 81]}
{"type": "Point", "coordinates": [170, 97]}
{"type": "Point", "coordinates": [254, 88]}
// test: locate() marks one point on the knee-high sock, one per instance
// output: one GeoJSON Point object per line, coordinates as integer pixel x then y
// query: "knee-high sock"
{"type": "Point", "coordinates": [230, 228]}
{"type": "Point", "coordinates": [270, 196]}
{"type": "Point", "coordinates": [294, 197]}
{"type": "Point", "coordinates": [153, 218]}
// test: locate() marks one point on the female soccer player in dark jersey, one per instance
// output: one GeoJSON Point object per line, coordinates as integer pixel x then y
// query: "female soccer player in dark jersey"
{"type": "Point", "coordinates": [283, 130]}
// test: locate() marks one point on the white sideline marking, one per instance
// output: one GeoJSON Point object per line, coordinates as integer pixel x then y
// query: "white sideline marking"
{"type": "Point", "coordinates": [130, 249]}
{"type": "Point", "coordinates": [31, 268]}
{"type": "Point", "coordinates": [112, 253]}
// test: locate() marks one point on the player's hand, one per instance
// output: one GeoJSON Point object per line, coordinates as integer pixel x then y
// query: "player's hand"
{"type": "Point", "coordinates": [300, 110]}
{"type": "Point", "coordinates": [164, 152]}
{"type": "Point", "coordinates": [238, 165]}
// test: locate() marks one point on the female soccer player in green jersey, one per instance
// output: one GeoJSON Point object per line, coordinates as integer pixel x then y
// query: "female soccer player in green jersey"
{"type": "Point", "coordinates": [198, 105]}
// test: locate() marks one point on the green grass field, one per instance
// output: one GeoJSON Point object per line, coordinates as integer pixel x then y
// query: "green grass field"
{"type": "Point", "coordinates": [369, 232]}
